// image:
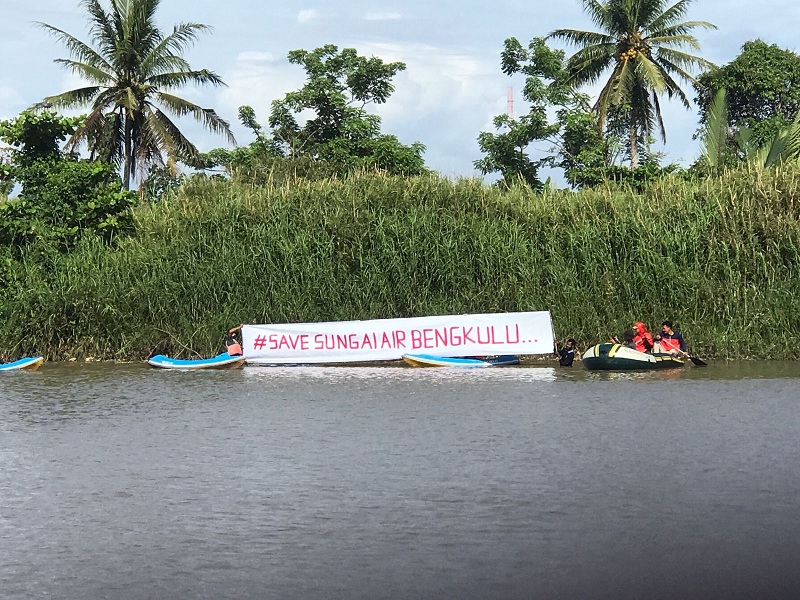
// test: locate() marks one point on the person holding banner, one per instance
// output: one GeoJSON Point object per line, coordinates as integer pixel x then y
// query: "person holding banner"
{"type": "Point", "coordinates": [232, 344]}
{"type": "Point", "coordinates": [566, 355]}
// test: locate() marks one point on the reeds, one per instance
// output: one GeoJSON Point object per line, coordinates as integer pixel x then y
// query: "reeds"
{"type": "Point", "coordinates": [719, 257]}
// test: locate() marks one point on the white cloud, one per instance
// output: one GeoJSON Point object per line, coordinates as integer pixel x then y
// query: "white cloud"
{"type": "Point", "coordinates": [443, 99]}
{"type": "Point", "coordinates": [436, 79]}
{"type": "Point", "coordinates": [304, 16]}
{"type": "Point", "coordinates": [253, 56]}
{"type": "Point", "coordinates": [256, 80]}
{"type": "Point", "coordinates": [11, 102]}
{"type": "Point", "coordinates": [382, 16]}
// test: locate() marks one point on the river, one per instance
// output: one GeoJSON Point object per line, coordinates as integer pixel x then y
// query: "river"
{"type": "Point", "coordinates": [124, 482]}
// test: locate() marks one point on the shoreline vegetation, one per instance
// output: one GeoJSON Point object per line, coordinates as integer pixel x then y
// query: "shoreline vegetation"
{"type": "Point", "coordinates": [324, 217]}
{"type": "Point", "coordinates": [718, 256]}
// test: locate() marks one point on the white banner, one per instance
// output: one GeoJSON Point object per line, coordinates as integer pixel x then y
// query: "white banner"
{"type": "Point", "coordinates": [389, 339]}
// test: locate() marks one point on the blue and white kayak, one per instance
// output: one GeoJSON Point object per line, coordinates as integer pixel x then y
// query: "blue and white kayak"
{"type": "Point", "coordinates": [502, 360]}
{"type": "Point", "coordinates": [221, 361]}
{"type": "Point", "coordinates": [31, 363]}
{"type": "Point", "coordinates": [427, 360]}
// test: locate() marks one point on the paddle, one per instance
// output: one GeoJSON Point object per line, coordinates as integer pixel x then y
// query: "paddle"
{"type": "Point", "coordinates": [697, 361]}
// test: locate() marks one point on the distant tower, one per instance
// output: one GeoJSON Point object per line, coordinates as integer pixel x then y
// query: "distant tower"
{"type": "Point", "coordinates": [510, 103]}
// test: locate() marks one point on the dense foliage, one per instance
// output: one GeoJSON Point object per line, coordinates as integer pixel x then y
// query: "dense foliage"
{"type": "Point", "coordinates": [338, 135]}
{"type": "Point", "coordinates": [61, 198]}
{"type": "Point", "coordinates": [718, 256]}
{"type": "Point", "coordinates": [561, 116]}
{"type": "Point", "coordinates": [762, 86]}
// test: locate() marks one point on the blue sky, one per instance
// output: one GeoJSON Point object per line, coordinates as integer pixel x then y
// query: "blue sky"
{"type": "Point", "coordinates": [450, 91]}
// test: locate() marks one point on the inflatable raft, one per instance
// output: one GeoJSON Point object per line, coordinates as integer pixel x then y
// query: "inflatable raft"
{"type": "Point", "coordinates": [616, 357]}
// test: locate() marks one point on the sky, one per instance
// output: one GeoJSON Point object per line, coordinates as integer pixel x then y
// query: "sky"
{"type": "Point", "coordinates": [450, 91]}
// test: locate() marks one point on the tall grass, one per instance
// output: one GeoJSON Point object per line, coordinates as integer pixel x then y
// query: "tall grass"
{"type": "Point", "coordinates": [719, 257]}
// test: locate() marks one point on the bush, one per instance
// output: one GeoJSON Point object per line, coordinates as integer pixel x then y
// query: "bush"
{"type": "Point", "coordinates": [63, 199]}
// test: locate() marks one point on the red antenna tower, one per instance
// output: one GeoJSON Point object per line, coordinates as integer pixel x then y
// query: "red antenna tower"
{"type": "Point", "coordinates": [510, 103]}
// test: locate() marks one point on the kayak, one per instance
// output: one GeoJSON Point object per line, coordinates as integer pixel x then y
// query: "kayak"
{"type": "Point", "coordinates": [616, 357]}
{"type": "Point", "coordinates": [30, 363]}
{"type": "Point", "coordinates": [221, 361]}
{"type": "Point", "coordinates": [503, 360]}
{"type": "Point", "coordinates": [428, 360]}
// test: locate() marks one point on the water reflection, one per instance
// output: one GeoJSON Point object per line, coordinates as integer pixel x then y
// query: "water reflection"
{"type": "Point", "coordinates": [386, 373]}
{"type": "Point", "coordinates": [391, 482]}
{"type": "Point", "coordinates": [59, 377]}
{"type": "Point", "coordinates": [662, 375]}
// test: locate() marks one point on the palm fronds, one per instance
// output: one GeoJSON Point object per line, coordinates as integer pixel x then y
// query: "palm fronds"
{"type": "Point", "coordinates": [640, 41]}
{"type": "Point", "coordinates": [134, 67]}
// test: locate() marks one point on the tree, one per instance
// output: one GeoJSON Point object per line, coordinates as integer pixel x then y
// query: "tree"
{"type": "Point", "coordinates": [134, 69]}
{"type": "Point", "coordinates": [342, 133]}
{"type": "Point", "coordinates": [723, 146]}
{"type": "Point", "coordinates": [642, 42]}
{"type": "Point", "coordinates": [577, 146]}
{"type": "Point", "coordinates": [62, 197]}
{"type": "Point", "coordinates": [762, 90]}
{"type": "Point", "coordinates": [507, 150]}
{"type": "Point", "coordinates": [584, 154]}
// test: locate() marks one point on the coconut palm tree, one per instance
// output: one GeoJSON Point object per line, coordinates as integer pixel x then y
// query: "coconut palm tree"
{"type": "Point", "coordinates": [643, 42]}
{"type": "Point", "coordinates": [131, 74]}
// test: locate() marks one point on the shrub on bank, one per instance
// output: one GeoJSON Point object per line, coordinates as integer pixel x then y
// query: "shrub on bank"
{"type": "Point", "coordinates": [718, 256]}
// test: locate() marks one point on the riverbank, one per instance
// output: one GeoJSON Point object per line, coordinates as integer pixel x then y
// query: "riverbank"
{"type": "Point", "coordinates": [719, 257]}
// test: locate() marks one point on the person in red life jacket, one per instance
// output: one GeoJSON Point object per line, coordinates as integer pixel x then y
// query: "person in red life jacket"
{"type": "Point", "coordinates": [669, 340]}
{"type": "Point", "coordinates": [642, 338]}
{"type": "Point", "coordinates": [233, 345]}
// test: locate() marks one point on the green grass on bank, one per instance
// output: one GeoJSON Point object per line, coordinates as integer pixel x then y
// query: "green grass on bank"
{"type": "Point", "coordinates": [718, 257]}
